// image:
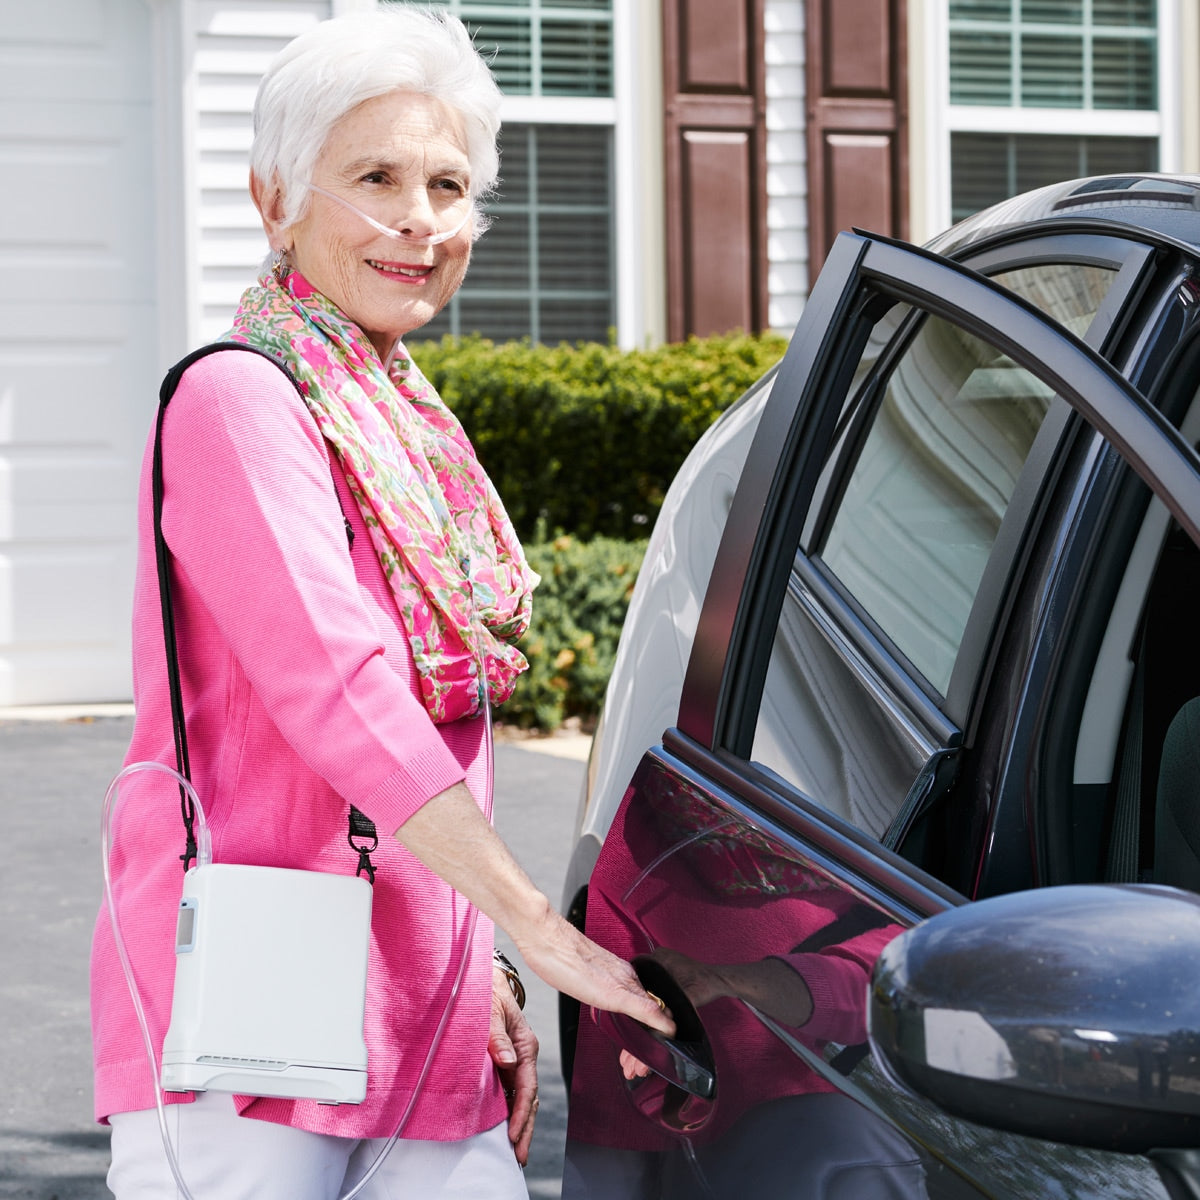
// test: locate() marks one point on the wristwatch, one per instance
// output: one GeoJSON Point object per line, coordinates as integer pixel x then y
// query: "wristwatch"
{"type": "Point", "coordinates": [511, 974]}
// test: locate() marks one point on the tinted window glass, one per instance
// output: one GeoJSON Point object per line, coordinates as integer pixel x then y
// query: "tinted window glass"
{"type": "Point", "coordinates": [929, 451]}
{"type": "Point", "coordinates": [1069, 292]}
{"type": "Point", "coordinates": [933, 479]}
{"type": "Point", "coordinates": [924, 501]}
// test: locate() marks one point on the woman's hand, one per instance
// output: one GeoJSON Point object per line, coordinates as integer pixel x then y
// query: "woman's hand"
{"type": "Point", "coordinates": [453, 839]}
{"type": "Point", "coordinates": [572, 963]}
{"type": "Point", "coordinates": [769, 984]}
{"type": "Point", "coordinates": [514, 1050]}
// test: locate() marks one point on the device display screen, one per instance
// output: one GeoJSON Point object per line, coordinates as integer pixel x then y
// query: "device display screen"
{"type": "Point", "coordinates": [185, 930]}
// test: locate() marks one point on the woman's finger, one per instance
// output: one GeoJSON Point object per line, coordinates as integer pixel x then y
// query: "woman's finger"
{"type": "Point", "coordinates": [512, 1033]}
{"type": "Point", "coordinates": [633, 1068]}
{"type": "Point", "coordinates": [500, 1046]}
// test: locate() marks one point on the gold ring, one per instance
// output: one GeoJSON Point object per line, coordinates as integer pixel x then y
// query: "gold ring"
{"type": "Point", "coordinates": [662, 1004]}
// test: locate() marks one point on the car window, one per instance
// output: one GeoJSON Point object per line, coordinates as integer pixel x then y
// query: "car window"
{"type": "Point", "coordinates": [931, 484]}
{"type": "Point", "coordinates": [931, 444]}
{"type": "Point", "coordinates": [1071, 293]}
{"type": "Point", "coordinates": [933, 479]}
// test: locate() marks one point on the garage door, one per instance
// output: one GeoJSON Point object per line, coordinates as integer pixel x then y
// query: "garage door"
{"type": "Point", "coordinates": [78, 358]}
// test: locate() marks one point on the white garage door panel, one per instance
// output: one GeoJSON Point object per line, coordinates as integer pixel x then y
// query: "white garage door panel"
{"type": "Point", "coordinates": [68, 199]}
{"type": "Point", "coordinates": [37, 409]}
{"type": "Point", "coordinates": [57, 25]}
{"type": "Point", "coordinates": [74, 49]}
{"type": "Point", "coordinates": [71, 595]}
{"type": "Point", "coordinates": [61, 500]}
{"type": "Point", "coordinates": [89, 387]}
{"type": "Point", "coordinates": [70, 322]}
{"type": "Point", "coordinates": [46, 673]}
{"type": "Point", "coordinates": [78, 351]}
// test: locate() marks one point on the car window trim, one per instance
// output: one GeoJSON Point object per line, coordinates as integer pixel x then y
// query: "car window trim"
{"type": "Point", "coordinates": [872, 657]}
{"type": "Point", "coordinates": [718, 706]}
{"type": "Point", "coordinates": [854, 424]}
{"type": "Point", "coordinates": [831, 843]}
{"type": "Point", "coordinates": [785, 420]}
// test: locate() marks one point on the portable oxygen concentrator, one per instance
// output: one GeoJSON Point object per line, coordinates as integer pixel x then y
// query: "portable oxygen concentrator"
{"type": "Point", "coordinates": [270, 963]}
{"type": "Point", "coordinates": [270, 984]}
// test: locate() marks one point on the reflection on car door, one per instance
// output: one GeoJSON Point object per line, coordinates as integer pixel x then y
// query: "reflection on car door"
{"type": "Point", "coordinates": [770, 847]}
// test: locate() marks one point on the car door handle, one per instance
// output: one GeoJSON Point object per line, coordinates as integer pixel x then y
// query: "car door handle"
{"type": "Point", "coordinates": [685, 1060]}
{"type": "Point", "coordinates": [686, 1065]}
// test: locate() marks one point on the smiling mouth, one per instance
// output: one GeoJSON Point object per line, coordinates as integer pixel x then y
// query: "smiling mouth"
{"type": "Point", "coordinates": [396, 269]}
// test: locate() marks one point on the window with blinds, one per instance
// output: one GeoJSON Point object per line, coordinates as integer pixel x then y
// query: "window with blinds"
{"type": "Point", "coordinates": [987, 167]}
{"type": "Point", "coordinates": [545, 268]}
{"type": "Point", "coordinates": [543, 47]}
{"type": "Point", "coordinates": [1028, 80]}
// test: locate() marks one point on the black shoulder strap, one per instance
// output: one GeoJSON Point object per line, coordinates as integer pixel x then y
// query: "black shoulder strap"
{"type": "Point", "coordinates": [361, 826]}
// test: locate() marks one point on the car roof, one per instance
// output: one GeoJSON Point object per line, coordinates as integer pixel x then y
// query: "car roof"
{"type": "Point", "coordinates": [1165, 205]}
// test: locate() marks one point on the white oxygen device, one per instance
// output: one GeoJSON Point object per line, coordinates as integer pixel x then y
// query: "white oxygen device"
{"type": "Point", "coordinates": [270, 984]}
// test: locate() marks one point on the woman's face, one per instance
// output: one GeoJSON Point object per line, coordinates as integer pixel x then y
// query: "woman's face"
{"type": "Point", "coordinates": [401, 159]}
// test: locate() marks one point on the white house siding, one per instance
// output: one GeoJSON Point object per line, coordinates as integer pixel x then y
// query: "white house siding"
{"type": "Point", "coordinates": [232, 44]}
{"type": "Point", "coordinates": [77, 339]}
{"type": "Point", "coordinates": [787, 181]}
{"type": "Point", "coordinates": [102, 241]}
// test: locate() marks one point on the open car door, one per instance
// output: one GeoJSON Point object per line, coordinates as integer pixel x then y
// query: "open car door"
{"type": "Point", "coordinates": [899, 504]}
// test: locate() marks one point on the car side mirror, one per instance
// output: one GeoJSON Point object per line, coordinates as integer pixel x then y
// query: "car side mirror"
{"type": "Point", "coordinates": [1067, 1013]}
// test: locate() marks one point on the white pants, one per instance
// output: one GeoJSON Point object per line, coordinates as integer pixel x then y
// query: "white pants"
{"type": "Point", "coordinates": [226, 1157]}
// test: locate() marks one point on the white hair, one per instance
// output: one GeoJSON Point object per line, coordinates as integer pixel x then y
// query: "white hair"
{"type": "Point", "coordinates": [317, 78]}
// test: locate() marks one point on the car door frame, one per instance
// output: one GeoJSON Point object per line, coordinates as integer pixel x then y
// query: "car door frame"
{"type": "Point", "coordinates": [725, 673]}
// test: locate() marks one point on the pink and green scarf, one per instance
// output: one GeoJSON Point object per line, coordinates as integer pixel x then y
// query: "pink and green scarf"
{"type": "Point", "coordinates": [445, 543]}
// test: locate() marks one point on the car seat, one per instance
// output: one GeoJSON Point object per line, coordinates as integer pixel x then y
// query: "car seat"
{"type": "Point", "coordinates": [1177, 807]}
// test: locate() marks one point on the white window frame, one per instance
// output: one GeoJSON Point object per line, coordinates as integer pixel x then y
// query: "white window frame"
{"type": "Point", "coordinates": [639, 311]}
{"type": "Point", "coordinates": [942, 119]}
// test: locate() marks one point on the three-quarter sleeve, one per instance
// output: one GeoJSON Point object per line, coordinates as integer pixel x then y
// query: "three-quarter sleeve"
{"type": "Point", "coordinates": [838, 978]}
{"type": "Point", "coordinates": [258, 537]}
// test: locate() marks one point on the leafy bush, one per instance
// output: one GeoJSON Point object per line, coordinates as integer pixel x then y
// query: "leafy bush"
{"type": "Point", "coordinates": [578, 610]}
{"type": "Point", "coordinates": [587, 438]}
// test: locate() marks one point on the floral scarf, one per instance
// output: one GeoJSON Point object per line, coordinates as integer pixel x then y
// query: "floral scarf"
{"type": "Point", "coordinates": [444, 541]}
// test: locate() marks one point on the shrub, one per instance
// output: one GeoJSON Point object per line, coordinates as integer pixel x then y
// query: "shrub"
{"type": "Point", "coordinates": [578, 610]}
{"type": "Point", "coordinates": [587, 438]}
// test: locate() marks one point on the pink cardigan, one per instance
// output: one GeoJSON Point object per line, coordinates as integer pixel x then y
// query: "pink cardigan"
{"type": "Point", "coordinates": [301, 699]}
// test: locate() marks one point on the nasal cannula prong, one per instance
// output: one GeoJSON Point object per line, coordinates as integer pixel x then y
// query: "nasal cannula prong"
{"type": "Point", "coordinates": [429, 239]}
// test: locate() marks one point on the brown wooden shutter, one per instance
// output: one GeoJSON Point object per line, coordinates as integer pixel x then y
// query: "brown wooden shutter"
{"type": "Point", "coordinates": [857, 120]}
{"type": "Point", "coordinates": [715, 125]}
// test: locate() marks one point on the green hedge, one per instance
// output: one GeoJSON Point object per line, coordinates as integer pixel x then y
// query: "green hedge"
{"type": "Point", "coordinates": [587, 438]}
{"type": "Point", "coordinates": [578, 610]}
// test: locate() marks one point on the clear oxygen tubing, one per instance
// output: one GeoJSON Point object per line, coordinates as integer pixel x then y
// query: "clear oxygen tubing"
{"type": "Point", "coordinates": [203, 858]}
{"type": "Point", "coordinates": [428, 239]}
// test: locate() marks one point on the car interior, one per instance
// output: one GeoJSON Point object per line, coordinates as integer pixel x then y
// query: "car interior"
{"type": "Point", "coordinates": [1139, 736]}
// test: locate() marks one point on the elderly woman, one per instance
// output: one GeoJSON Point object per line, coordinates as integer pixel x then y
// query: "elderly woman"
{"type": "Point", "coordinates": [347, 589]}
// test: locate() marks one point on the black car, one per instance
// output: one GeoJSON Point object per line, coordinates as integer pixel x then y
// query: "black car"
{"type": "Point", "coordinates": [948, 651]}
